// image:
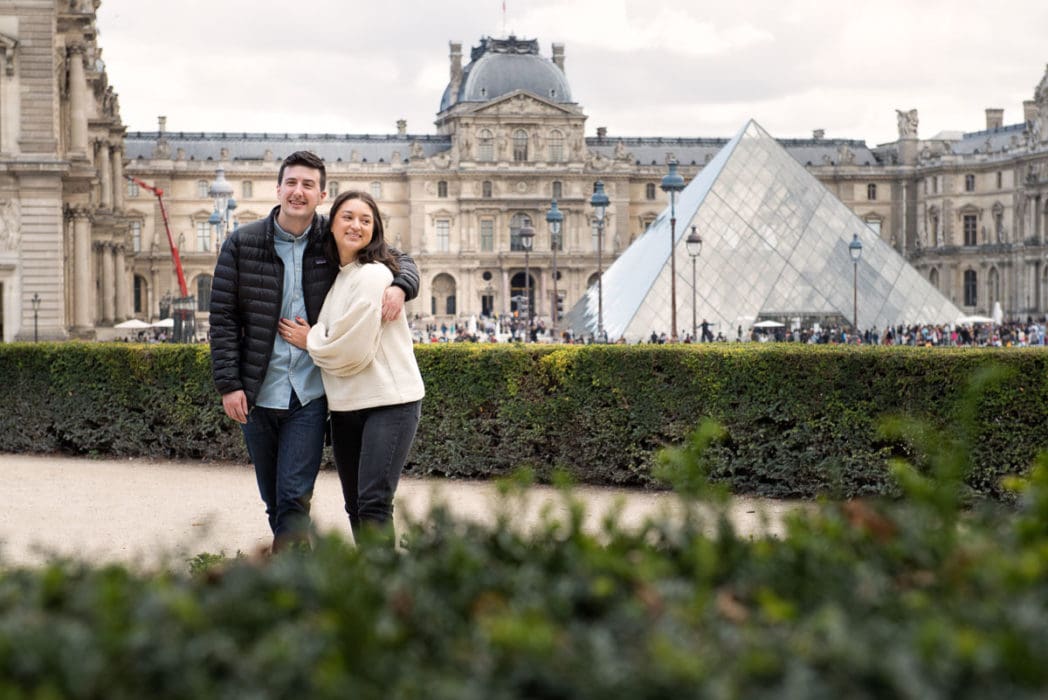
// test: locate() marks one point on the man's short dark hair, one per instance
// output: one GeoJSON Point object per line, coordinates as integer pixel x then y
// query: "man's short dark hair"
{"type": "Point", "coordinates": [307, 159]}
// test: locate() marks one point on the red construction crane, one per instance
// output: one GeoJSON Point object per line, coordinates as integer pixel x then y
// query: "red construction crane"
{"type": "Point", "coordinates": [167, 227]}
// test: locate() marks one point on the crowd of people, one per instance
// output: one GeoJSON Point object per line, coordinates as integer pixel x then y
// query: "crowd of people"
{"type": "Point", "coordinates": [491, 330]}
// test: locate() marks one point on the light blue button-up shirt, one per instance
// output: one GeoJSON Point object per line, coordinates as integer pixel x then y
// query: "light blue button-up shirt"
{"type": "Point", "coordinates": [289, 367]}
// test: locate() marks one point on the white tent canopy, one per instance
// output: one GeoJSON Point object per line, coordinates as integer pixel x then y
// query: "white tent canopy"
{"type": "Point", "coordinates": [132, 324]}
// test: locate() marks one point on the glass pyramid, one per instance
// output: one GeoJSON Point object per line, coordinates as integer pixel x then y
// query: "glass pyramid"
{"type": "Point", "coordinates": [775, 247]}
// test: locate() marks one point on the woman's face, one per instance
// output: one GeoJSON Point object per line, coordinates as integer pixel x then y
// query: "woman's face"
{"type": "Point", "coordinates": [352, 226]}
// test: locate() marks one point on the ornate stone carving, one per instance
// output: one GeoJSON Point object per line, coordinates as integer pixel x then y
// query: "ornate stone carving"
{"type": "Point", "coordinates": [907, 123]}
{"type": "Point", "coordinates": [10, 223]}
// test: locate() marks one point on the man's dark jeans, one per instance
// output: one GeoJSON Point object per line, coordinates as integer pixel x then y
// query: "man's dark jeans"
{"type": "Point", "coordinates": [370, 448]}
{"type": "Point", "coordinates": [285, 447]}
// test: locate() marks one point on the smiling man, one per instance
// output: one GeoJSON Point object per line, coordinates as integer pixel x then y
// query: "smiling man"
{"type": "Point", "coordinates": [270, 270]}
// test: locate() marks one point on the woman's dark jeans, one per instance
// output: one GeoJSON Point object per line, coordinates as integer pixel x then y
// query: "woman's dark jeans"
{"type": "Point", "coordinates": [370, 448]}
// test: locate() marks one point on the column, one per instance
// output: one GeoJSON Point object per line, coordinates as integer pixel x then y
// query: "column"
{"type": "Point", "coordinates": [77, 101]}
{"type": "Point", "coordinates": [108, 285]}
{"type": "Point", "coordinates": [505, 292]}
{"type": "Point", "coordinates": [118, 178]}
{"type": "Point", "coordinates": [123, 306]}
{"type": "Point", "coordinates": [82, 269]}
{"type": "Point", "coordinates": [105, 174]}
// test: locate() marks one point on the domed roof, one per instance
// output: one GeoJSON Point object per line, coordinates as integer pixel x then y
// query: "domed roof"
{"type": "Point", "coordinates": [501, 66]}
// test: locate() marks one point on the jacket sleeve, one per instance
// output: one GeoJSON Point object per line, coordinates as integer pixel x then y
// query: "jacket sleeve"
{"type": "Point", "coordinates": [348, 343]}
{"type": "Point", "coordinates": [408, 277]}
{"type": "Point", "coordinates": [225, 321]}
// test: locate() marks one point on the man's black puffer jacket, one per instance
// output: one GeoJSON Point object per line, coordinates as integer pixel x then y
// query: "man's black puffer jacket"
{"type": "Point", "coordinates": [246, 295]}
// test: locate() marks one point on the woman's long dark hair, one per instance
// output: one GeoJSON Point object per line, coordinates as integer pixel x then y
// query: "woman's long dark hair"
{"type": "Point", "coordinates": [376, 250]}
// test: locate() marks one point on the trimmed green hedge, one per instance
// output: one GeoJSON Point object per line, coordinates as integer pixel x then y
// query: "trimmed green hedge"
{"type": "Point", "coordinates": [799, 420]}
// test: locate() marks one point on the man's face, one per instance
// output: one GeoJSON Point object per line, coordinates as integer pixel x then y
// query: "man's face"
{"type": "Point", "coordinates": [299, 192]}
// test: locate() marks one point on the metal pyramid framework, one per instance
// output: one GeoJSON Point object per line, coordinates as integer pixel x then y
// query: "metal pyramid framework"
{"type": "Point", "coordinates": [775, 246]}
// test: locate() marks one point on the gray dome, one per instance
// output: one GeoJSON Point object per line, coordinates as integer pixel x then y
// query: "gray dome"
{"type": "Point", "coordinates": [501, 66]}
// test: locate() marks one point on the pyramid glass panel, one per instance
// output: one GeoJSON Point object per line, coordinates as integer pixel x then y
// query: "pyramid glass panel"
{"type": "Point", "coordinates": [775, 246]}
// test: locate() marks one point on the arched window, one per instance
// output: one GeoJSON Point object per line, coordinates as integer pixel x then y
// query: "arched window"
{"type": "Point", "coordinates": [520, 145]}
{"type": "Point", "coordinates": [971, 288]}
{"type": "Point", "coordinates": [556, 146]}
{"type": "Point", "coordinates": [485, 146]}
{"type": "Point", "coordinates": [871, 192]}
{"type": "Point", "coordinates": [442, 188]}
{"type": "Point", "coordinates": [443, 298]}
{"type": "Point", "coordinates": [969, 182]}
{"type": "Point", "coordinates": [203, 289]}
{"type": "Point", "coordinates": [485, 189]}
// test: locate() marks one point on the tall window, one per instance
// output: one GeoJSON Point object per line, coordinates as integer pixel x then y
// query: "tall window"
{"type": "Point", "coordinates": [874, 224]}
{"type": "Point", "coordinates": [556, 146]}
{"type": "Point", "coordinates": [132, 188]}
{"type": "Point", "coordinates": [443, 235]}
{"type": "Point", "coordinates": [140, 294]}
{"type": "Point", "coordinates": [332, 187]}
{"type": "Point", "coordinates": [485, 146]}
{"type": "Point", "coordinates": [970, 288]}
{"type": "Point", "coordinates": [933, 277]}
{"type": "Point", "coordinates": [871, 192]}
{"type": "Point", "coordinates": [970, 230]}
{"type": "Point", "coordinates": [516, 223]}
{"type": "Point", "coordinates": [649, 191]}
{"type": "Point", "coordinates": [487, 235]}
{"type": "Point", "coordinates": [376, 189]}
{"type": "Point", "coordinates": [969, 183]}
{"type": "Point", "coordinates": [485, 189]}
{"type": "Point", "coordinates": [998, 225]}
{"type": "Point", "coordinates": [203, 231]}
{"type": "Point", "coordinates": [558, 189]}
{"type": "Point", "coordinates": [247, 189]}
{"type": "Point", "coordinates": [520, 145]}
{"type": "Point", "coordinates": [203, 286]}
{"type": "Point", "coordinates": [442, 188]}
{"type": "Point", "coordinates": [136, 236]}
{"type": "Point", "coordinates": [202, 189]}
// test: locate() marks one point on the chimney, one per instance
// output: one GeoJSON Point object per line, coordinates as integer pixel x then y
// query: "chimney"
{"type": "Point", "coordinates": [994, 118]}
{"type": "Point", "coordinates": [558, 56]}
{"type": "Point", "coordinates": [402, 127]}
{"type": "Point", "coordinates": [818, 134]}
{"type": "Point", "coordinates": [602, 132]}
{"type": "Point", "coordinates": [163, 124]}
{"type": "Point", "coordinates": [456, 71]}
{"type": "Point", "coordinates": [1029, 111]}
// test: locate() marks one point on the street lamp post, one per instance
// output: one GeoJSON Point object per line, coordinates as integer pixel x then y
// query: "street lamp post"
{"type": "Point", "coordinates": [855, 250]}
{"type": "Point", "coordinates": [554, 218]}
{"type": "Point", "coordinates": [694, 244]}
{"type": "Point", "coordinates": [222, 192]}
{"type": "Point", "coordinates": [527, 237]}
{"type": "Point", "coordinates": [36, 316]}
{"type": "Point", "coordinates": [599, 201]}
{"type": "Point", "coordinates": [672, 184]}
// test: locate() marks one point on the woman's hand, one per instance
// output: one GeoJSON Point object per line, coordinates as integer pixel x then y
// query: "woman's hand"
{"type": "Point", "coordinates": [294, 332]}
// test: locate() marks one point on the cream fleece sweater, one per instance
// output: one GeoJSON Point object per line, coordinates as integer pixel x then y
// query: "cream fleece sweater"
{"type": "Point", "coordinates": [363, 361]}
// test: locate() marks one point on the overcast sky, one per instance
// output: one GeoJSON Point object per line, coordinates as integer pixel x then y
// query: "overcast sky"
{"type": "Point", "coordinates": [639, 67]}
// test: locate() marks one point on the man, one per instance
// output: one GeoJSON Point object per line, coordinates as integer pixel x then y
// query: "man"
{"type": "Point", "coordinates": [270, 270]}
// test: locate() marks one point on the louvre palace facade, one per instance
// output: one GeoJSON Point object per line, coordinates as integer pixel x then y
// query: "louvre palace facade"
{"type": "Point", "coordinates": [966, 209]}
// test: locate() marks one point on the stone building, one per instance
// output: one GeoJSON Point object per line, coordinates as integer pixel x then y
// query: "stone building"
{"type": "Point", "coordinates": [966, 209]}
{"type": "Point", "coordinates": [64, 268]}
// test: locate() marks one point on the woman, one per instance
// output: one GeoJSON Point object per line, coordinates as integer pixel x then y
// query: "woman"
{"type": "Point", "coordinates": [373, 385]}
